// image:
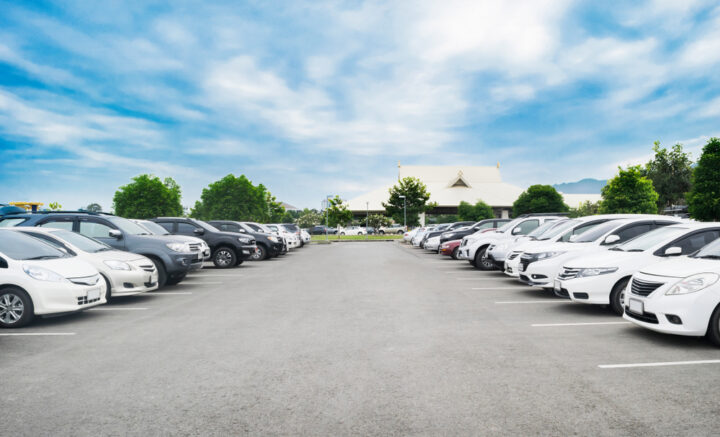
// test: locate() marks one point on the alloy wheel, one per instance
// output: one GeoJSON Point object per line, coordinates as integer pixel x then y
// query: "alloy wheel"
{"type": "Point", "coordinates": [11, 308]}
{"type": "Point", "coordinates": [224, 257]}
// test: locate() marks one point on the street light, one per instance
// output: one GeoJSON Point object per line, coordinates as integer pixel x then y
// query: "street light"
{"type": "Point", "coordinates": [404, 211]}
{"type": "Point", "coordinates": [327, 207]}
{"type": "Point", "coordinates": [367, 219]}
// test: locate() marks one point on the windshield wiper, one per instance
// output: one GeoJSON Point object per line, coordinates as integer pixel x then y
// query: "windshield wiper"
{"type": "Point", "coordinates": [618, 249]}
{"type": "Point", "coordinates": [709, 256]}
{"type": "Point", "coordinates": [636, 250]}
{"type": "Point", "coordinates": [43, 257]}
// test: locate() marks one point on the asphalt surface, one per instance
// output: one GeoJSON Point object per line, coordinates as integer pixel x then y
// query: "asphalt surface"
{"type": "Point", "coordinates": [352, 339]}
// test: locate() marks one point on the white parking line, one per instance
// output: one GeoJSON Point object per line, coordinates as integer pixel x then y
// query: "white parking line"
{"type": "Point", "coordinates": [173, 293]}
{"type": "Point", "coordinates": [35, 334]}
{"type": "Point", "coordinates": [667, 363]}
{"type": "Point", "coordinates": [544, 325]}
{"type": "Point", "coordinates": [496, 288]}
{"type": "Point", "coordinates": [527, 301]}
{"type": "Point", "coordinates": [117, 309]}
{"type": "Point", "coordinates": [212, 275]}
{"type": "Point", "coordinates": [201, 283]}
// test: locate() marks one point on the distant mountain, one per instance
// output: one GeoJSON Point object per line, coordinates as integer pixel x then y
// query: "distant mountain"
{"type": "Point", "coordinates": [584, 186]}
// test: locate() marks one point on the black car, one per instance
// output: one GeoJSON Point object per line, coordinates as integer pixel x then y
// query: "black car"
{"type": "Point", "coordinates": [228, 249]}
{"type": "Point", "coordinates": [322, 230]}
{"type": "Point", "coordinates": [268, 245]}
{"type": "Point", "coordinates": [173, 258]}
{"type": "Point", "coordinates": [444, 228]}
{"type": "Point", "coordinates": [459, 233]}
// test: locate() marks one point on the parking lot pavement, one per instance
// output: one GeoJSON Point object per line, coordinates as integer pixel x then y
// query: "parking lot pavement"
{"type": "Point", "coordinates": [363, 338]}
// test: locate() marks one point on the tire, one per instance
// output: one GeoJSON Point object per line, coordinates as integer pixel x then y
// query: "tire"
{"type": "Point", "coordinates": [400, 232]}
{"type": "Point", "coordinates": [176, 280]}
{"type": "Point", "coordinates": [713, 331]}
{"type": "Point", "coordinates": [342, 233]}
{"type": "Point", "coordinates": [224, 258]}
{"type": "Point", "coordinates": [239, 261]}
{"type": "Point", "coordinates": [260, 254]}
{"type": "Point", "coordinates": [381, 232]}
{"type": "Point", "coordinates": [108, 291]}
{"type": "Point", "coordinates": [617, 296]}
{"type": "Point", "coordinates": [454, 253]}
{"type": "Point", "coordinates": [481, 261]}
{"type": "Point", "coordinates": [162, 272]}
{"type": "Point", "coordinates": [16, 308]}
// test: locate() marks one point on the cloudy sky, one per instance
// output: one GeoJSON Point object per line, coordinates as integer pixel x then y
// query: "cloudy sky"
{"type": "Point", "coordinates": [313, 98]}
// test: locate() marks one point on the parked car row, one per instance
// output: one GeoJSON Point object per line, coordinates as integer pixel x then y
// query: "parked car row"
{"type": "Point", "coordinates": [658, 272]}
{"type": "Point", "coordinates": [62, 262]}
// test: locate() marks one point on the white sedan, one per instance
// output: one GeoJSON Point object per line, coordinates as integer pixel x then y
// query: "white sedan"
{"type": "Point", "coordinates": [38, 279]}
{"type": "Point", "coordinates": [601, 278]}
{"type": "Point", "coordinates": [352, 230]}
{"type": "Point", "coordinates": [679, 297]}
{"type": "Point", "coordinates": [124, 273]}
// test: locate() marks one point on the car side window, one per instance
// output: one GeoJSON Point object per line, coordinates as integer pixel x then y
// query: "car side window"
{"type": "Point", "coordinates": [186, 229]}
{"type": "Point", "coordinates": [232, 228]}
{"type": "Point", "coordinates": [526, 227]}
{"type": "Point", "coordinates": [691, 243]}
{"type": "Point", "coordinates": [10, 222]}
{"type": "Point", "coordinates": [487, 225]}
{"type": "Point", "coordinates": [167, 225]}
{"type": "Point", "coordinates": [95, 229]}
{"type": "Point", "coordinates": [632, 231]}
{"type": "Point", "coordinates": [58, 224]}
{"type": "Point", "coordinates": [3, 263]}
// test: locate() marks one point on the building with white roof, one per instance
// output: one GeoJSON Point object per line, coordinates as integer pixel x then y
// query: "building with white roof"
{"type": "Point", "coordinates": [450, 185]}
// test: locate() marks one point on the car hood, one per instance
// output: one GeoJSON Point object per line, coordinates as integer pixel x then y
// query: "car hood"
{"type": "Point", "coordinates": [67, 267]}
{"type": "Point", "coordinates": [682, 267]}
{"type": "Point", "coordinates": [559, 247]}
{"type": "Point", "coordinates": [118, 255]}
{"type": "Point", "coordinates": [184, 238]}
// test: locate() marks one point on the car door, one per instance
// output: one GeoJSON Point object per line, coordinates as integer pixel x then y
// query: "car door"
{"type": "Point", "coordinates": [526, 227]}
{"type": "Point", "coordinates": [692, 242]}
{"type": "Point", "coordinates": [628, 232]}
{"type": "Point", "coordinates": [169, 226]}
{"type": "Point", "coordinates": [66, 223]}
{"type": "Point", "coordinates": [187, 229]}
{"type": "Point", "coordinates": [99, 229]}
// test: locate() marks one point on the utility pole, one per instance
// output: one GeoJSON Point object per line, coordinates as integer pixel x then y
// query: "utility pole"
{"type": "Point", "coordinates": [327, 221]}
{"type": "Point", "coordinates": [404, 211]}
{"type": "Point", "coordinates": [367, 219]}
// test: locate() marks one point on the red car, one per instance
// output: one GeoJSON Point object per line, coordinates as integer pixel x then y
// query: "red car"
{"type": "Point", "coordinates": [450, 248]}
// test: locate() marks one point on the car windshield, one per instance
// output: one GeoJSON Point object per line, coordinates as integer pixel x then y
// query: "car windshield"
{"type": "Point", "coordinates": [509, 225]}
{"type": "Point", "coordinates": [21, 247]}
{"type": "Point", "coordinates": [597, 232]}
{"type": "Point", "coordinates": [651, 239]}
{"type": "Point", "coordinates": [207, 226]}
{"type": "Point", "coordinates": [127, 226]}
{"type": "Point", "coordinates": [293, 228]}
{"type": "Point", "coordinates": [711, 251]}
{"type": "Point", "coordinates": [153, 227]}
{"type": "Point", "coordinates": [10, 222]}
{"type": "Point", "coordinates": [82, 242]}
{"type": "Point", "coordinates": [535, 234]}
{"type": "Point", "coordinates": [558, 228]}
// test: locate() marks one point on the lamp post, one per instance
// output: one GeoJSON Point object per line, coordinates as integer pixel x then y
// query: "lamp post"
{"type": "Point", "coordinates": [404, 211]}
{"type": "Point", "coordinates": [327, 221]}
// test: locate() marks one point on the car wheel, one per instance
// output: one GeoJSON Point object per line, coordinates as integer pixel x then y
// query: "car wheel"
{"type": "Point", "coordinates": [108, 290]}
{"type": "Point", "coordinates": [482, 261]}
{"type": "Point", "coordinates": [400, 232]}
{"type": "Point", "coordinates": [239, 261]}
{"type": "Point", "coordinates": [342, 233]}
{"type": "Point", "coordinates": [162, 273]}
{"type": "Point", "coordinates": [224, 258]}
{"type": "Point", "coordinates": [454, 253]}
{"type": "Point", "coordinates": [713, 332]}
{"type": "Point", "coordinates": [617, 297]}
{"type": "Point", "coordinates": [381, 232]}
{"type": "Point", "coordinates": [16, 308]}
{"type": "Point", "coordinates": [260, 254]}
{"type": "Point", "coordinates": [175, 280]}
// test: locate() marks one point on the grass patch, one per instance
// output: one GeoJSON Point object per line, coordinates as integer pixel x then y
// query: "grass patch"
{"type": "Point", "coordinates": [355, 237]}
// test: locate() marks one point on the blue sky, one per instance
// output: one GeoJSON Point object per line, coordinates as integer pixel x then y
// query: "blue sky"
{"type": "Point", "coordinates": [313, 98]}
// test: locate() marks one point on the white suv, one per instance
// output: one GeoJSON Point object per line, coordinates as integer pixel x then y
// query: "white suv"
{"type": "Point", "coordinates": [473, 247]}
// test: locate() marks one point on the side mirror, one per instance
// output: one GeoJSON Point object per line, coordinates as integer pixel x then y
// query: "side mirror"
{"type": "Point", "coordinates": [673, 251]}
{"type": "Point", "coordinates": [199, 231]}
{"type": "Point", "coordinates": [516, 231]}
{"type": "Point", "coordinates": [610, 239]}
{"type": "Point", "coordinates": [114, 233]}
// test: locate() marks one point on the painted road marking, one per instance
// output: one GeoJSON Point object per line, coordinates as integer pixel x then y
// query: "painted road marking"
{"type": "Point", "coordinates": [174, 293]}
{"type": "Point", "coordinates": [667, 363]}
{"type": "Point", "coordinates": [527, 301]}
{"type": "Point", "coordinates": [497, 288]}
{"type": "Point", "coordinates": [13, 334]}
{"type": "Point", "coordinates": [117, 309]}
{"type": "Point", "coordinates": [543, 325]}
{"type": "Point", "coordinates": [200, 283]}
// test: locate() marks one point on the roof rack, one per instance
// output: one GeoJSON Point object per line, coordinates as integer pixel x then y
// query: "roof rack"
{"type": "Point", "coordinates": [72, 212]}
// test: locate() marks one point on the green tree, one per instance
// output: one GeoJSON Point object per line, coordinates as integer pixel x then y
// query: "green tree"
{"type": "Point", "coordinates": [442, 218]}
{"type": "Point", "coordinates": [630, 193]}
{"type": "Point", "coordinates": [586, 208]}
{"type": "Point", "coordinates": [539, 198]}
{"type": "Point", "coordinates": [309, 218]}
{"type": "Point", "coordinates": [236, 198]}
{"type": "Point", "coordinates": [93, 207]}
{"type": "Point", "coordinates": [147, 196]}
{"type": "Point", "coordinates": [376, 221]}
{"type": "Point", "coordinates": [338, 212]}
{"type": "Point", "coordinates": [417, 197]}
{"type": "Point", "coordinates": [704, 197]}
{"type": "Point", "coordinates": [54, 206]}
{"type": "Point", "coordinates": [670, 172]}
{"type": "Point", "coordinates": [276, 211]}
{"type": "Point", "coordinates": [477, 212]}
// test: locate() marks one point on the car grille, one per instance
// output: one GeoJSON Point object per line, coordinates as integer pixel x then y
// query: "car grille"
{"type": "Point", "coordinates": [148, 267]}
{"type": "Point", "coordinates": [568, 273]}
{"type": "Point", "coordinates": [644, 317]}
{"type": "Point", "coordinates": [83, 300]}
{"type": "Point", "coordinates": [86, 280]}
{"type": "Point", "coordinates": [644, 288]}
{"type": "Point", "coordinates": [195, 247]}
{"type": "Point", "coordinates": [514, 255]}
{"type": "Point", "coordinates": [526, 260]}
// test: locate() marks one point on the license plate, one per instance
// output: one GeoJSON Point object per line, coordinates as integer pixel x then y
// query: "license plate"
{"type": "Point", "coordinates": [93, 294]}
{"type": "Point", "coordinates": [200, 255]}
{"type": "Point", "coordinates": [246, 252]}
{"type": "Point", "coordinates": [558, 286]}
{"type": "Point", "coordinates": [521, 268]}
{"type": "Point", "coordinates": [636, 306]}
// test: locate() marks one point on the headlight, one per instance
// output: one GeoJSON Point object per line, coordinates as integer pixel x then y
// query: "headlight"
{"type": "Point", "coordinates": [546, 255]}
{"type": "Point", "coordinates": [42, 274]}
{"type": "Point", "coordinates": [117, 265]}
{"type": "Point", "coordinates": [693, 283]}
{"type": "Point", "coordinates": [272, 238]}
{"type": "Point", "coordinates": [178, 247]}
{"type": "Point", "coordinates": [584, 273]}
{"type": "Point", "coordinates": [244, 240]}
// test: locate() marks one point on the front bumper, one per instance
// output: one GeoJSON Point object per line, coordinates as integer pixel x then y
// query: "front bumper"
{"type": "Point", "coordinates": [432, 244]}
{"type": "Point", "coordinates": [511, 267]}
{"type": "Point", "coordinates": [181, 263]}
{"type": "Point", "coordinates": [245, 252]}
{"type": "Point", "coordinates": [593, 289]}
{"type": "Point", "coordinates": [693, 310]}
{"type": "Point", "coordinates": [539, 273]}
{"type": "Point", "coordinates": [143, 278]}
{"type": "Point", "coordinates": [65, 297]}
{"type": "Point", "coordinates": [464, 253]}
